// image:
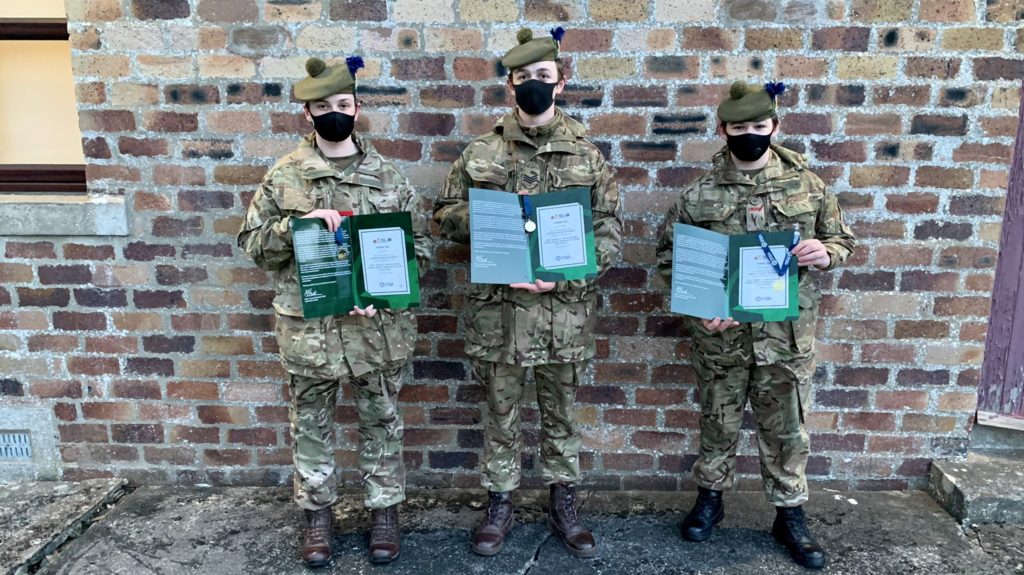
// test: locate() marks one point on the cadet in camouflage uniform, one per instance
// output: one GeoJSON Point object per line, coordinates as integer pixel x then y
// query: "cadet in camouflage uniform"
{"type": "Point", "coordinates": [533, 149]}
{"type": "Point", "coordinates": [755, 186]}
{"type": "Point", "coordinates": [335, 169]}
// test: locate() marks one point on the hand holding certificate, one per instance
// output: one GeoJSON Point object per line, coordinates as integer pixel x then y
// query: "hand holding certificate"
{"type": "Point", "coordinates": [520, 239]}
{"type": "Point", "coordinates": [746, 277]}
{"type": "Point", "coordinates": [368, 261]}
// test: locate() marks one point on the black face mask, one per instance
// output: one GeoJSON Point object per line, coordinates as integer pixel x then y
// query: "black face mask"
{"type": "Point", "coordinates": [748, 147]}
{"type": "Point", "coordinates": [334, 126]}
{"type": "Point", "coordinates": [534, 97]}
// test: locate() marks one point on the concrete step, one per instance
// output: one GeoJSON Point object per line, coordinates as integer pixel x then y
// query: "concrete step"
{"type": "Point", "coordinates": [984, 488]}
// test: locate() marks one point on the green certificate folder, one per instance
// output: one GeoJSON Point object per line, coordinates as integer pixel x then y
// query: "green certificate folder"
{"type": "Point", "coordinates": [516, 239]}
{"type": "Point", "coordinates": [370, 260]}
{"type": "Point", "coordinates": [717, 275]}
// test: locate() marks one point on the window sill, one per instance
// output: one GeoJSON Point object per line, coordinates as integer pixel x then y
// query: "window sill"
{"type": "Point", "coordinates": [57, 215]}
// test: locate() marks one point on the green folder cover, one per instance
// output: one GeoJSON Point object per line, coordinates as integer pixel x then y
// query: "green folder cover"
{"type": "Point", "coordinates": [718, 275]}
{"type": "Point", "coordinates": [559, 247]}
{"type": "Point", "coordinates": [371, 260]}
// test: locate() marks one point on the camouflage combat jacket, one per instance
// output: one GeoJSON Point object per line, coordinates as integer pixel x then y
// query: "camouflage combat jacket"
{"type": "Point", "coordinates": [296, 185]}
{"type": "Point", "coordinates": [781, 196]}
{"type": "Point", "coordinates": [513, 326]}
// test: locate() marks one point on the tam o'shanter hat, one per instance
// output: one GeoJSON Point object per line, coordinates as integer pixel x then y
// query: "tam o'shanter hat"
{"type": "Point", "coordinates": [323, 80]}
{"type": "Point", "coordinates": [747, 103]}
{"type": "Point", "coordinates": [531, 50]}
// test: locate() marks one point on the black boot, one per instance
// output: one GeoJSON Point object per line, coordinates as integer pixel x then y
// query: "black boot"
{"type": "Point", "coordinates": [790, 529]}
{"type": "Point", "coordinates": [707, 512]}
{"type": "Point", "coordinates": [501, 514]}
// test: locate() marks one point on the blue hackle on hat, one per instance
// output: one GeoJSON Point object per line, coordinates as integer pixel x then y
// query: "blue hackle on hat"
{"type": "Point", "coordinates": [557, 33]}
{"type": "Point", "coordinates": [774, 88]}
{"type": "Point", "coordinates": [354, 63]}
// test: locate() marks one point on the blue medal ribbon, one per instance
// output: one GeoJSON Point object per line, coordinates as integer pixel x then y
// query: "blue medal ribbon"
{"type": "Point", "coordinates": [527, 209]}
{"type": "Point", "coordinates": [779, 269]}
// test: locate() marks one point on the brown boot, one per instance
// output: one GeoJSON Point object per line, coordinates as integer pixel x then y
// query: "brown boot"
{"type": "Point", "coordinates": [490, 535]}
{"type": "Point", "coordinates": [384, 534]}
{"type": "Point", "coordinates": [316, 538]}
{"type": "Point", "coordinates": [564, 522]}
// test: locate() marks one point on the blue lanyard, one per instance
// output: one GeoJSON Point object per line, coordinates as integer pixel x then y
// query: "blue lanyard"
{"type": "Point", "coordinates": [779, 269]}
{"type": "Point", "coordinates": [527, 208]}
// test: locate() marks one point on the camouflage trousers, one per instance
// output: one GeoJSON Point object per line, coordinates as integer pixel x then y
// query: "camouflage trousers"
{"type": "Point", "coordinates": [380, 438]}
{"type": "Point", "coordinates": [778, 394]}
{"type": "Point", "coordinates": [501, 467]}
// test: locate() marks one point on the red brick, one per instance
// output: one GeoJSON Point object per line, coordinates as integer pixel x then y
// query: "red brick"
{"type": "Point", "coordinates": [191, 434]}
{"type": "Point", "coordinates": [52, 342]}
{"type": "Point", "coordinates": [77, 321]}
{"type": "Point", "coordinates": [137, 433]}
{"type": "Point", "coordinates": [136, 389]}
{"type": "Point", "coordinates": [869, 421]}
{"type": "Point", "coordinates": [967, 257]}
{"type": "Point", "coordinates": [631, 417]}
{"type": "Point", "coordinates": [709, 39]}
{"type": "Point", "coordinates": [211, 414]}
{"type": "Point", "coordinates": [52, 389]}
{"type": "Point", "coordinates": [226, 457]}
{"type": "Point", "coordinates": [665, 441]}
{"type": "Point", "coordinates": [586, 40]}
{"type": "Point", "coordinates": [620, 372]}
{"type": "Point", "coordinates": [627, 461]}
{"type": "Point", "coordinates": [912, 203]}
{"type": "Point", "coordinates": [858, 376]}
{"type": "Point", "coordinates": [106, 120]}
{"type": "Point", "coordinates": [888, 353]}
{"type": "Point", "coordinates": [660, 396]}
{"type": "Point", "coordinates": [255, 436]}
{"type": "Point", "coordinates": [43, 297]}
{"type": "Point", "coordinates": [796, 123]}
{"type": "Point", "coordinates": [30, 250]}
{"type": "Point", "coordinates": [88, 252]}
{"type": "Point", "coordinates": [962, 306]}
{"type": "Point", "coordinates": [90, 365]}
{"type": "Point", "coordinates": [171, 122]}
{"type": "Point", "coordinates": [902, 95]}
{"type": "Point", "coordinates": [83, 433]}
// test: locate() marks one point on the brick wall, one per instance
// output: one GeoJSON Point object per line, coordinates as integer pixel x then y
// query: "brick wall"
{"type": "Point", "coordinates": [155, 352]}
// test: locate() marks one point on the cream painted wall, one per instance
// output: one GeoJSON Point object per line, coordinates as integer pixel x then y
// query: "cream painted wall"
{"type": "Point", "coordinates": [32, 9]}
{"type": "Point", "coordinates": [38, 112]}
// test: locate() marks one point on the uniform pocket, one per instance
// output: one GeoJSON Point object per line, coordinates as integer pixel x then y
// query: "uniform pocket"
{"type": "Point", "coordinates": [296, 200]}
{"type": "Point", "coordinates": [485, 314]}
{"type": "Point", "coordinates": [300, 341]}
{"type": "Point", "coordinates": [795, 209]}
{"type": "Point", "coordinates": [804, 327]}
{"type": "Point", "coordinates": [579, 175]}
{"type": "Point", "coordinates": [487, 175]}
{"type": "Point", "coordinates": [384, 202]}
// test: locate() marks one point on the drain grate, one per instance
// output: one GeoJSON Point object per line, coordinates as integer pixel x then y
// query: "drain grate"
{"type": "Point", "coordinates": [15, 446]}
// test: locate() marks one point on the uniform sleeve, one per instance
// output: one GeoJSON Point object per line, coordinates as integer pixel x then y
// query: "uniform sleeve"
{"type": "Point", "coordinates": [451, 208]}
{"type": "Point", "coordinates": [831, 229]}
{"type": "Point", "coordinates": [420, 226]}
{"type": "Point", "coordinates": [265, 234]}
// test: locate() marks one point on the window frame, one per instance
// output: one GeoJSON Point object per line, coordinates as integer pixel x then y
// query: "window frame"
{"type": "Point", "coordinates": [39, 178]}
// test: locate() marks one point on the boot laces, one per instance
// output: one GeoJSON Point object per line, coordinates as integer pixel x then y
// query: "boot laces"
{"type": "Point", "coordinates": [385, 524]}
{"type": "Point", "coordinates": [705, 508]}
{"type": "Point", "coordinates": [494, 506]}
{"type": "Point", "coordinates": [569, 508]}
{"type": "Point", "coordinates": [796, 525]}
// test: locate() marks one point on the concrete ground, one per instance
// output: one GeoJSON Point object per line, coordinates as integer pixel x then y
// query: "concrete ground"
{"type": "Point", "coordinates": [189, 530]}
